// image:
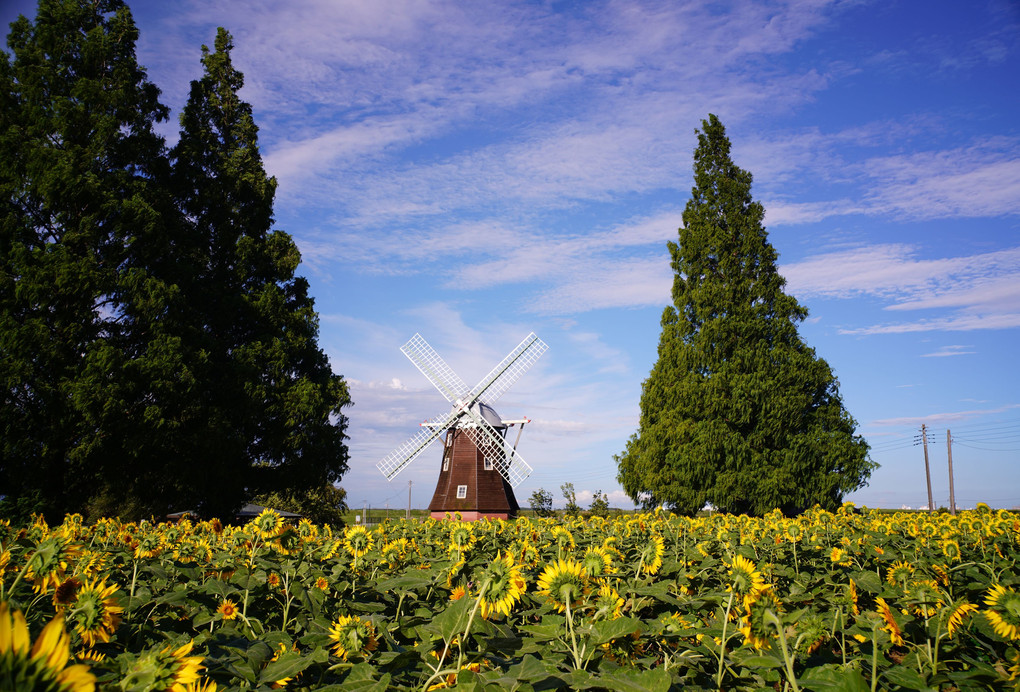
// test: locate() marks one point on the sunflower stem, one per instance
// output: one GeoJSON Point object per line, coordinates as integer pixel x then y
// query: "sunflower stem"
{"type": "Point", "coordinates": [722, 644]}
{"type": "Point", "coordinates": [573, 639]}
{"type": "Point", "coordinates": [778, 624]}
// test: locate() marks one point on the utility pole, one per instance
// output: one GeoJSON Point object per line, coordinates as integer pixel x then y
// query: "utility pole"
{"type": "Point", "coordinates": [408, 515]}
{"type": "Point", "coordinates": [927, 468]}
{"type": "Point", "coordinates": [952, 495]}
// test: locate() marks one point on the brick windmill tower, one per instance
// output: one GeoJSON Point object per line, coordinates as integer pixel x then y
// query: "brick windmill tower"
{"type": "Point", "coordinates": [480, 468]}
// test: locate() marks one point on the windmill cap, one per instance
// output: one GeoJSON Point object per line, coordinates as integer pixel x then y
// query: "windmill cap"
{"type": "Point", "coordinates": [486, 412]}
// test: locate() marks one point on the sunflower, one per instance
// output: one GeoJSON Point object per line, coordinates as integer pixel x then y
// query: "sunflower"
{"type": "Point", "coordinates": [1003, 611]}
{"type": "Point", "coordinates": [753, 624]}
{"type": "Point", "coordinates": [322, 584]}
{"type": "Point", "coordinates": [501, 586]}
{"type": "Point", "coordinates": [899, 572]}
{"type": "Point", "coordinates": [838, 556]}
{"type": "Point", "coordinates": [890, 622]}
{"type": "Point", "coordinates": [563, 583]}
{"type": "Point", "coordinates": [458, 593]}
{"type": "Point", "coordinates": [393, 553]}
{"type": "Point", "coordinates": [651, 554]}
{"type": "Point", "coordinates": [67, 591]}
{"type": "Point", "coordinates": [357, 541]}
{"type": "Point", "coordinates": [273, 580]}
{"type": "Point", "coordinates": [745, 579]}
{"type": "Point", "coordinates": [562, 538]}
{"type": "Point", "coordinates": [462, 538]}
{"type": "Point", "coordinates": [352, 636]}
{"type": "Point", "coordinates": [228, 609]}
{"type": "Point", "coordinates": [267, 524]}
{"type": "Point", "coordinates": [596, 561]}
{"type": "Point", "coordinates": [852, 596]}
{"type": "Point", "coordinates": [951, 549]}
{"type": "Point", "coordinates": [96, 613]}
{"type": "Point", "coordinates": [608, 603]}
{"type": "Point", "coordinates": [924, 597]}
{"type": "Point", "coordinates": [956, 617]}
{"type": "Point", "coordinates": [149, 545]}
{"type": "Point", "coordinates": [45, 665]}
{"type": "Point", "coordinates": [48, 564]}
{"type": "Point", "coordinates": [164, 669]}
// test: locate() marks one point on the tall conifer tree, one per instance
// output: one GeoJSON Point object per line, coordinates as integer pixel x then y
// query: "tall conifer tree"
{"type": "Point", "coordinates": [78, 155]}
{"type": "Point", "coordinates": [737, 411]}
{"type": "Point", "coordinates": [270, 403]}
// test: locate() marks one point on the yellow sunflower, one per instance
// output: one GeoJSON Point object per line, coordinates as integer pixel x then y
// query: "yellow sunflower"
{"type": "Point", "coordinates": [352, 636]}
{"type": "Point", "coordinates": [1003, 611]}
{"type": "Point", "coordinates": [957, 616]}
{"type": "Point", "coordinates": [501, 585]}
{"type": "Point", "coordinates": [267, 524]}
{"type": "Point", "coordinates": [899, 572]}
{"type": "Point", "coordinates": [924, 597]}
{"type": "Point", "coordinates": [357, 541]}
{"type": "Point", "coordinates": [753, 624]}
{"type": "Point", "coordinates": [650, 555]}
{"type": "Point", "coordinates": [608, 603]}
{"type": "Point", "coordinates": [228, 609]}
{"type": "Point", "coordinates": [45, 664]}
{"type": "Point", "coordinates": [96, 612]}
{"type": "Point", "coordinates": [596, 561]}
{"type": "Point", "coordinates": [563, 583]}
{"type": "Point", "coordinates": [745, 578]}
{"type": "Point", "coordinates": [891, 626]}
{"type": "Point", "coordinates": [951, 549]}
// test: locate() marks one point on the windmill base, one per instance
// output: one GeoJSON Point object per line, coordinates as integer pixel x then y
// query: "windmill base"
{"type": "Point", "coordinates": [470, 485]}
{"type": "Point", "coordinates": [473, 516]}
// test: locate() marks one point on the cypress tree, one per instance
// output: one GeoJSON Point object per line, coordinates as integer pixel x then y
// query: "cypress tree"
{"type": "Point", "coordinates": [737, 411]}
{"type": "Point", "coordinates": [270, 405]}
{"type": "Point", "coordinates": [78, 156]}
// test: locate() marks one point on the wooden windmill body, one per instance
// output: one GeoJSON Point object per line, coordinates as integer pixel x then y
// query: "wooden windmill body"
{"type": "Point", "coordinates": [479, 467]}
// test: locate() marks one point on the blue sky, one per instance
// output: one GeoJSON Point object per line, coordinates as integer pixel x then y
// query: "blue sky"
{"type": "Point", "coordinates": [478, 171]}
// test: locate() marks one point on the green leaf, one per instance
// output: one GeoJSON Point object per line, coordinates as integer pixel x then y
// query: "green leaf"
{"type": "Point", "coordinates": [605, 631]}
{"type": "Point", "coordinates": [630, 680]}
{"type": "Point", "coordinates": [831, 678]}
{"type": "Point", "coordinates": [761, 662]}
{"type": "Point", "coordinates": [905, 677]}
{"type": "Point", "coordinates": [452, 621]}
{"type": "Point", "coordinates": [366, 678]}
{"type": "Point", "coordinates": [867, 581]}
{"type": "Point", "coordinates": [287, 666]}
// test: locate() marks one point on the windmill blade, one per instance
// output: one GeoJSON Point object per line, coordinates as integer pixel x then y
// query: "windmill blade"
{"type": "Point", "coordinates": [509, 370]}
{"type": "Point", "coordinates": [435, 368]}
{"type": "Point", "coordinates": [505, 458]}
{"type": "Point", "coordinates": [403, 455]}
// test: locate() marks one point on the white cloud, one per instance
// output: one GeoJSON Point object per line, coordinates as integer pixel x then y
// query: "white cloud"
{"type": "Point", "coordinates": [947, 351]}
{"type": "Point", "coordinates": [948, 417]}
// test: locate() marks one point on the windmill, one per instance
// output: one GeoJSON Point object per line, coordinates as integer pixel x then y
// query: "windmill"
{"type": "Point", "coordinates": [480, 468]}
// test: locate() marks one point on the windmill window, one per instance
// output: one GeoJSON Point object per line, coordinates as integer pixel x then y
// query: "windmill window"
{"type": "Point", "coordinates": [461, 492]}
{"type": "Point", "coordinates": [487, 463]}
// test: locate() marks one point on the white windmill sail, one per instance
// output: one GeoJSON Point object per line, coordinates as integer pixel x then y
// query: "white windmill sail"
{"type": "Point", "coordinates": [505, 458]}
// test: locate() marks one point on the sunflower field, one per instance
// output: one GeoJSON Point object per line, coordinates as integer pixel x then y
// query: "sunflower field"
{"type": "Point", "coordinates": [852, 600]}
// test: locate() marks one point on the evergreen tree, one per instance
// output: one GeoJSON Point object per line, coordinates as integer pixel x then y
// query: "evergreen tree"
{"type": "Point", "coordinates": [158, 351]}
{"type": "Point", "coordinates": [737, 411]}
{"type": "Point", "coordinates": [270, 405]}
{"type": "Point", "coordinates": [78, 157]}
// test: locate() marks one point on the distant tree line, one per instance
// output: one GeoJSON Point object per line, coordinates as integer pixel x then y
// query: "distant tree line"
{"type": "Point", "coordinates": [157, 350]}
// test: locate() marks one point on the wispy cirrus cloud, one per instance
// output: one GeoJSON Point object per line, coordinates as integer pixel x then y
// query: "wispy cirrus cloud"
{"type": "Point", "coordinates": [949, 351]}
{"type": "Point", "coordinates": [981, 291]}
